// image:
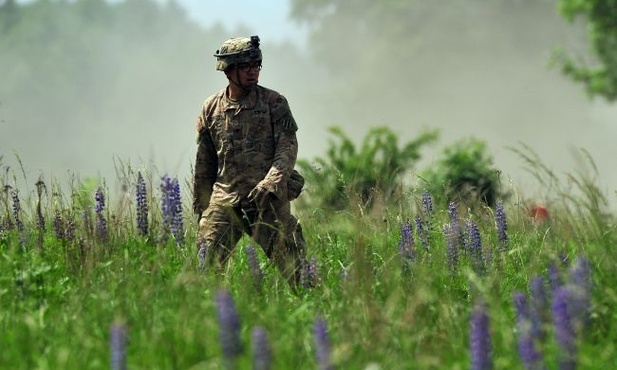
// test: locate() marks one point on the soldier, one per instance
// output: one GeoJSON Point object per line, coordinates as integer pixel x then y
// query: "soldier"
{"type": "Point", "coordinates": [244, 171]}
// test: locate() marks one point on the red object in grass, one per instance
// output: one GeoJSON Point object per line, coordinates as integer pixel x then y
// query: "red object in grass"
{"type": "Point", "coordinates": [539, 214]}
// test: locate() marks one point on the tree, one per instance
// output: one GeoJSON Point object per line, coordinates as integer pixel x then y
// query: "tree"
{"type": "Point", "coordinates": [90, 73]}
{"type": "Point", "coordinates": [600, 77]}
{"type": "Point", "coordinates": [8, 15]}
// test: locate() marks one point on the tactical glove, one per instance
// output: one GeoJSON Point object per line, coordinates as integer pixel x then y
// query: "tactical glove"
{"type": "Point", "coordinates": [260, 195]}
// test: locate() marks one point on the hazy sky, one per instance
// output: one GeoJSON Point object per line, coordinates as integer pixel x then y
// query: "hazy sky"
{"type": "Point", "coordinates": [268, 18]}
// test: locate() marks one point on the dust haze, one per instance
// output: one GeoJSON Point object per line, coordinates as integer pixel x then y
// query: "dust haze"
{"type": "Point", "coordinates": [470, 72]}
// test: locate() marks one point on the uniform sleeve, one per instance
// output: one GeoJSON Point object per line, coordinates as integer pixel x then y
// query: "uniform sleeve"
{"type": "Point", "coordinates": [206, 167]}
{"type": "Point", "coordinates": [286, 148]}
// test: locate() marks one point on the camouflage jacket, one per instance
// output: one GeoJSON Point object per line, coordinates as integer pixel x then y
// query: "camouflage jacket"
{"type": "Point", "coordinates": [241, 144]}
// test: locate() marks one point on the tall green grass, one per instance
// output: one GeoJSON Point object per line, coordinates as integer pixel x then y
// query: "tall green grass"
{"type": "Point", "coordinates": [59, 298]}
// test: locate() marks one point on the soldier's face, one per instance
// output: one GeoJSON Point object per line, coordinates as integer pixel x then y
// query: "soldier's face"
{"type": "Point", "coordinates": [248, 74]}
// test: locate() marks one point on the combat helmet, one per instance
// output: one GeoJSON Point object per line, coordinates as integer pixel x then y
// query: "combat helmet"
{"type": "Point", "coordinates": [238, 50]}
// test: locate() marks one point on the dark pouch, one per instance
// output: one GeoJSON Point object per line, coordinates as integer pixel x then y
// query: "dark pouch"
{"type": "Point", "coordinates": [295, 183]}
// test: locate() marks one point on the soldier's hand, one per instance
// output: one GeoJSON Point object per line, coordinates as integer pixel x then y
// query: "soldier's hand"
{"type": "Point", "coordinates": [260, 195]}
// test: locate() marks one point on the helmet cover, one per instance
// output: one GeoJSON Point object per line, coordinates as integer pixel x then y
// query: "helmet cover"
{"type": "Point", "coordinates": [238, 50]}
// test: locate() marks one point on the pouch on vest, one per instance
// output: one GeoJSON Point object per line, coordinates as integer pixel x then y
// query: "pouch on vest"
{"type": "Point", "coordinates": [295, 183]}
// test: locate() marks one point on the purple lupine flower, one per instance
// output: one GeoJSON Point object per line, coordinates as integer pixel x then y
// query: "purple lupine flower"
{"type": "Point", "coordinates": [262, 353]}
{"type": "Point", "coordinates": [322, 344]}
{"type": "Point", "coordinates": [229, 326]}
{"type": "Point", "coordinates": [99, 198]}
{"type": "Point", "coordinates": [254, 269]}
{"type": "Point", "coordinates": [463, 240]}
{"type": "Point", "coordinates": [64, 227]}
{"type": "Point", "coordinates": [427, 204]}
{"type": "Point", "coordinates": [580, 273]}
{"type": "Point", "coordinates": [526, 341]}
{"type": "Point", "coordinates": [118, 340]}
{"type": "Point", "coordinates": [171, 207]}
{"type": "Point", "coordinates": [69, 228]}
{"type": "Point", "coordinates": [309, 276]}
{"type": "Point", "coordinates": [167, 204]}
{"type": "Point", "coordinates": [142, 205]}
{"type": "Point", "coordinates": [177, 229]}
{"type": "Point", "coordinates": [480, 338]}
{"type": "Point", "coordinates": [452, 247]}
{"type": "Point", "coordinates": [539, 307]}
{"type": "Point", "coordinates": [422, 232]}
{"type": "Point", "coordinates": [564, 330]}
{"type": "Point", "coordinates": [475, 247]}
{"type": "Point", "coordinates": [453, 213]}
{"type": "Point", "coordinates": [17, 210]}
{"type": "Point", "coordinates": [502, 228]}
{"type": "Point", "coordinates": [101, 222]}
{"type": "Point", "coordinates": [406, 245]}
{"type": "Point", "coordinates": [59, 226]}
{"type": "Point", "coordinates": [579, 288]}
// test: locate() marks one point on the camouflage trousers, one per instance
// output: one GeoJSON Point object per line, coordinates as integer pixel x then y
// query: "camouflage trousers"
{"type": "Point", "coordinates": [273, 227]}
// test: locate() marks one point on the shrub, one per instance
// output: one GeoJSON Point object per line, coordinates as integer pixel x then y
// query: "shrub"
{"type": "Point", "coordinates": [464, 173]}
{"type": "Point", "coordinates": [347, 171]}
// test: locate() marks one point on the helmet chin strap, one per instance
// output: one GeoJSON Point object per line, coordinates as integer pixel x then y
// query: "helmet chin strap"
{"type": "Point", "coordinates": [246, 88]}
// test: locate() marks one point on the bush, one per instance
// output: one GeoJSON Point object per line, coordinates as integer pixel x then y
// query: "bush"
{"type": "Point", "coordinates": [465, 173]}
{"type": "Point", "coordinates": [348, 171]}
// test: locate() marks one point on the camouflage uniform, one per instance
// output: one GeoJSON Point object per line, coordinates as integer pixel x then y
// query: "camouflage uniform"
{"type": "Point", "coordinates": [242, 145]}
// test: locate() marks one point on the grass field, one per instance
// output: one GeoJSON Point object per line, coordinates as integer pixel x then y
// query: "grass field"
{"type": "Point", "coordinates": [82, 286]}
